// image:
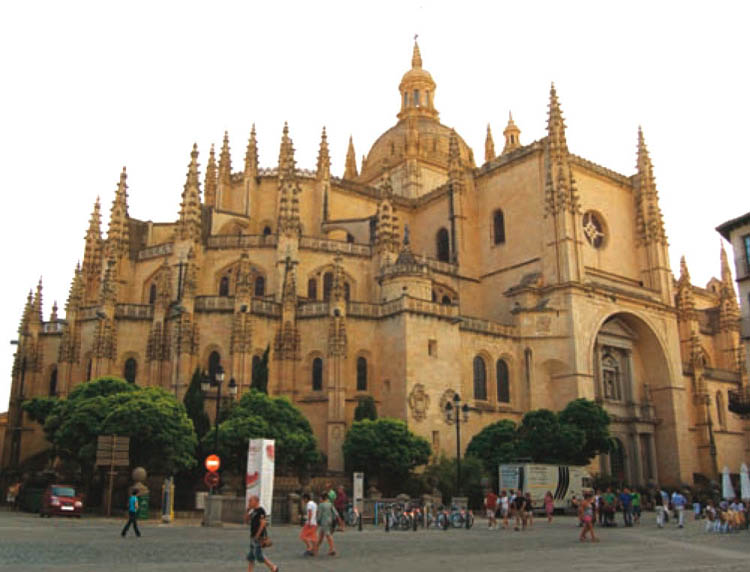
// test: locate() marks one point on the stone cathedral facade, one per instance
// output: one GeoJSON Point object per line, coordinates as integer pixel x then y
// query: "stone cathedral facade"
{"type": "Point", "coordinates": [529, 280]}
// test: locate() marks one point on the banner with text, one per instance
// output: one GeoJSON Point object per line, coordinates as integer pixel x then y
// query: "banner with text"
{"type": "Point", "coordinates": [260, 472]}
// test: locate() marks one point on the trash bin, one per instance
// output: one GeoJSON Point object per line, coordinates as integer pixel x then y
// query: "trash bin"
{"type": "Point", "coordinates": [143, 502]}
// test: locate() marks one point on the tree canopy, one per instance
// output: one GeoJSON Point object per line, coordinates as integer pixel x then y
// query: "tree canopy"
{"type": "Point", "coordinates": [386, 449]}
{"type": "Point", "coordinates": [365, 409]}
{"type": "Point", "coordinates": [162, 438]}
{"type": "Point", "coordinates": [256, 416]}
{"type": "Point", "coordinates": [572, 437]}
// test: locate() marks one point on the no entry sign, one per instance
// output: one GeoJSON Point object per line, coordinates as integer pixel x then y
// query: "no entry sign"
{"type": "Point", "coordinates": [213, 463]}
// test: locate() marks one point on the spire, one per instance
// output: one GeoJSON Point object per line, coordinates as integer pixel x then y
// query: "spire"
{"type": "Point", "coordinates": [726, 273]}
{"type": "Point", "coordinates": [75, 293]}
{"type": "Point", "coordinates": [512, 135]}
{"type": "Point", "coordinates": [351, 162]}
{"type": "Point", "coordinates": [289, 189]}
{"type": "Point", "coordinates": [225, 163]}
{"type": "Point", "coordinates": [556, 126]}
{"type": "Point", "coordinates": [649, 220]}
{"type": "Point", "coordinates": [251, 155]}
{"type": "Point", "coordinates": [685, 298]}
{"type": "Point", "coordinates": [27, 312]}
{"type": "Point", "coordinates": [489, 146]}
{"type": "Point", "coordinates": [211, 179]}
{"type": "Point", "coordinates": [324, 159]}
{"type": "Point", "coordinates": [92, 254]}
{"type": "Point", "coordinates": [454, 158]}
{"type": "Point", "coordinates": [289, 287]}
{"type": "Point", "coordinates": [189, 222]}
{"type": "Point", "coordinates": [108, 294]}
{"type": "Point", "coordinates": [561, 193]}
{"type": "Point", "coordinates": [37, 302]}
{"type": "Point", "coordinates": [53, 314]}
{"type": "Point", "coordinates": [416, 57]}
{"type": "Point", "coordinates": [118, 233]}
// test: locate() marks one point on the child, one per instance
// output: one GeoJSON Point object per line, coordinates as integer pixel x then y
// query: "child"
{"type": "Point", "coordinates": [696, 509]}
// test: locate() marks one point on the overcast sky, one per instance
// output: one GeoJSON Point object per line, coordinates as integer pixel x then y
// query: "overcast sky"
{"type": "Point", "coordinates": [88, 87]}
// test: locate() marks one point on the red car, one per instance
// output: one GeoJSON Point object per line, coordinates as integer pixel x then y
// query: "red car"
{"type": "Point", "coordinates": [61, 500]}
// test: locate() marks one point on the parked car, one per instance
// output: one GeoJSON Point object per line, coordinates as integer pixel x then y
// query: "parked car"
{"type": "Point", "coordinates": [61, 500]}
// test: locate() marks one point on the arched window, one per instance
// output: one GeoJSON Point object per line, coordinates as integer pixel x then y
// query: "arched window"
{"type": "Point", "coordinates": [406, 104]}
{"type": "Point", "coordinates": [89, 369]}
{"type": "Point", "coordinates": [224, 286]}
{"type": "Point", "coordinates": [317, 374]}
{"type": "Point", "coordinates": [256, 365]}
{"type": "Point", "coordinates": [721, 409]}
{"type": "Point", "coordinates": [480, 379]}
{"type": "Point", "coordinates": [446, 300]}
{"type": "Point", "coordinates": [266, 230]}
{"type": "Point", "coordinates": [503, 382]}
{"type": "Point", "coordinates": [434, 296]}
{"type": "Point", "coordinates": [416, 98]}
{"type": "Point", "coordinates": [312, 289]}
{"type": "Point", "coordinates": [347, 291]}
{"type": "Point", "coordinates": [617, 460]}
{"type": "Point", "coordinates": [130, 370]}
{"type": "Point", "coordinates": [53, 382]}
{"type": "Point", "coordinates": [214, 361]}
{"type": "Point", "coordinates": [327, 285]}
{"type": "Point", "coordinates": [349, 237]}
{"type": "Point", "coordinates": [443, 245]}
{"type": "Point", "coordinates": [260, 286]}
{"type": "Point", "coordinates": [361, 374]}
{"type": "Point", "coordinates": [152, 294]}
{"type": "Point", "coordinates": [498, 227]}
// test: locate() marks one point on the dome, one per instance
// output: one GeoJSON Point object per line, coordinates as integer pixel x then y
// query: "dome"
{"type": "Point", "coordinates": [418, 136]}
{"type": "Point", "coordinates": [423, 137]}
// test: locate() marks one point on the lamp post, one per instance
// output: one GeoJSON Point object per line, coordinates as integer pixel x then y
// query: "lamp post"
{"type": "Point", "coordinates": [456, 413]}
{"type": "Point", "coordinates": [217, 381]}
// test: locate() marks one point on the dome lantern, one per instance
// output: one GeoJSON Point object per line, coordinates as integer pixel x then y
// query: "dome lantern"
{"type": "Point", "coordinates": [417, 90]}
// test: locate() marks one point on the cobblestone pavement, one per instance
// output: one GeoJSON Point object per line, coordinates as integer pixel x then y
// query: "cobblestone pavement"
{"type": "Point", "coordinates": [94, 544]}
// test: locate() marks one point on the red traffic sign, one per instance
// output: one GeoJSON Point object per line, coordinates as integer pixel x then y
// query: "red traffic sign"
{"type": "Point", "coordinates": [211, 480]}
{"type": "Point", "coordinates": [213, 463]}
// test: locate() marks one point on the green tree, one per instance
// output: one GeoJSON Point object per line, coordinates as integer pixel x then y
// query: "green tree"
{"type": "Point", "coordinates": [260, 372]}
{"type": "Point", "coordinates": [257, 415]}
{"type": "Point", "coordinates": [544, 439]}
{"type": "Point", "coordinates": [385, 449]}
{"type": "Point", "coordinates": [496, 443]}
{"type": "Point", "coordinates": [365, 409]}
{"type": "Point", "coordinates": [195, 407]}
{"type": "Point", "coordinates": [162, 435]}
{"type": "Point", "coordinates": [594, 421]}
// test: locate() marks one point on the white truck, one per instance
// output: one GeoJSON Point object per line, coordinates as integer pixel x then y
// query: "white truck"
{"type": "Point", "coordinates": [562, 481]}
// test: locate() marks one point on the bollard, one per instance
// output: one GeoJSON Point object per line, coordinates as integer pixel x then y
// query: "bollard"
{"type": "Point", "coordinates": [414, 521]}
{"type": "Point", "coordinates": [387, 522]}
{"type": "Point", "coordinates": [359, 522]}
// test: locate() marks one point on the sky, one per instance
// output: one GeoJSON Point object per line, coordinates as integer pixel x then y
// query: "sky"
{"type": "Point", "coordinates": [88, 87]}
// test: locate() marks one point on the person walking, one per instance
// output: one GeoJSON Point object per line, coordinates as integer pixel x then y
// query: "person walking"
{"type": "Point", "coordinates": [661, 510]}
{"type": "Point", "coordinates": [626, 502]}
{"type": "Point", "coordinates": [519, 511]}
{"type": "Point", "coordinates": [635, 497]}
{"type": "Point", "coordinates": [504, 507]}
{"type": "Point", "coordinates": [255, 515]}
{"type": "Point", "coordinates": [309, 533]}
{"type": "Point", "coordinates": [341, 502]}
{"type": "Point", "coordinates": [665, 503]}
{"type": "Point", "coordinates": [587, 515]}
{"type": "Point", "coordinates": [529, 514]}
{"type": "Point", "coordinates": [132, 514]}
{"type": "Point", "coordinates": [549, 505]}
{"type": "Point", "coordinates": [679, 502]}
{"type": "Point", "coordinates": [610, 505]}
{"type": "Point", "coordinates": [490, 506]}
{"type": "Point", "coordinates": [327, 517]}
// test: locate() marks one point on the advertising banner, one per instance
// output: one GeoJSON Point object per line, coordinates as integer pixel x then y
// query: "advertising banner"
{"type": "Point", "coordinates": [359, 489]}
{"type": "Point", "coordinates": [260, 472]}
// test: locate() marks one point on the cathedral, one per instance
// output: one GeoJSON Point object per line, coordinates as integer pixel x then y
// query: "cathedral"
{"type": "Point", "coordinates": [526, 281]}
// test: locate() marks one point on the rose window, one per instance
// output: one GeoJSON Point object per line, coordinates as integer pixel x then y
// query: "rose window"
{"type": "Point", "coordinates": [593, 228]}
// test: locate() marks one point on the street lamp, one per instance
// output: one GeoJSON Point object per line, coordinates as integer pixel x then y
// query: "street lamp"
{"type": "Point", "coordinates": [457, 413]}
{"type": "Point", "coordinates": [217, 381]}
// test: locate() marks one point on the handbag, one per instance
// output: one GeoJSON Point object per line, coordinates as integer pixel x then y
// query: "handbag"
{"type": "Point", "coordinates": [265, 541]}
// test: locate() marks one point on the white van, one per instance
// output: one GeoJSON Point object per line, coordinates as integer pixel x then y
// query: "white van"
{"type": "Point", "coordinates": [561, 480]}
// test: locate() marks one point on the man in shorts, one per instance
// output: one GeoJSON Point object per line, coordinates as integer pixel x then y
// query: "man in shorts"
{"type": "Point", "coordinates": [255, 515]}
{"type": "Point", "coordinates": [490, 505]}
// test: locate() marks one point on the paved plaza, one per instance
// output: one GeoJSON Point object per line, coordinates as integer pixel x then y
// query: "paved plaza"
{"type": "Point", "coordinates": [93, 544]}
